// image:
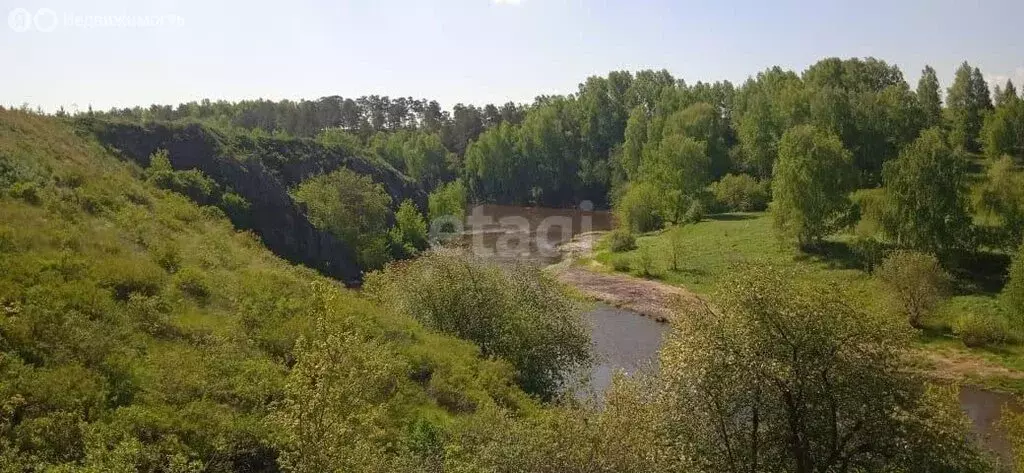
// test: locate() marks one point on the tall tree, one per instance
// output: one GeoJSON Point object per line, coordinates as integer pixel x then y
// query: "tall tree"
{"type": "Point", "coordinates": [927, 189]}
{"type": "Point", "coordinates": [812, 178]}
{"type": "Point", "coordinates": [680, 168]}
{"type": "Point", "coordinates": [982, 94]}
{"type": "Point", "coordinates": [928, 97]}
{"type": "Point", "coordinates": [1006, 94]}
{"type": "Point", "coordinates": [967, 99]}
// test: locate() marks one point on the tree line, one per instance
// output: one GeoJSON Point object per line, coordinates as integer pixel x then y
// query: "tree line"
{"type": "Point", "coordinates": [641, 127]}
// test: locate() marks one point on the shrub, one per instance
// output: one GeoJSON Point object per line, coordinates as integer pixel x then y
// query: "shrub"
{"type": "Point", "coordinates": [812, 178]}
{"type": "Point", "coordinates": [236, 208]}
{"type": "Point", "coordinates": [168, 257]}
{"type": "Point", "coordinates": [740, 193]}
{"type": "Point", "coordinates": [410, 231]}
{"type": "Point", "coordinates": [785, 348]}
{"type": "Point", "coordinates": [1013, 293]}
{"type": "Point", "coordinates": [125, 277]}
{"type": "Point", "coordinates": [26, 191]}
{"type": "Point", "coordinates": [979, 330]}
{"type": "Point", "coordinates": [193, 283]}
{"type": "Point", "coordinates": [696, 212]}
{"type": "Point", "coordinates": [644, 262]}
{"type": "Point", "coordinates": [916, 281]}
{"type": "Point", "coordinates": [621, 263]}
{"type": "Point", "coordinates": [620, 240]}
{"type": "Point", "coordinates": [641, 208]}
{"type": "Point", "coordinates": [354, 209]}
{"type": "Point", "coordinates": [519, 313]}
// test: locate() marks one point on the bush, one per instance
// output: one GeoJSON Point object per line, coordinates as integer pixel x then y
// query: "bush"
{"type": "Point", "coordinates": [644, 262]}
{"type": "Point", "coordinates": [740, 193]}
{"type": "Point", "coordinates": [641, 208]}
{"type": "Point", "coordinates": [696, 212]}
{"type": "Point", "coordinates": [916, 281]}
{"type": "Point", "coordinates": [979, 330]}
{"type": "Point", "coordinates": [448, 200]}
{"type": "Point", "coordinates": [354, 209]}
{"type": "Point", "coordinates": [622, 263]}
{"type": "Point", "coordinates": [410, 231]}
{"type": "Point", "coordinates": [620, 240]}
{"type": "Point", "coordinates": [26, 191]}
{"type": "Point", "coordinates": [519, 314]}
{"type": "Point", "coordinates": [1013, 293]}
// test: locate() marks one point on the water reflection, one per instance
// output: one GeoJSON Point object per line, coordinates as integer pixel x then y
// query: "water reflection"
{"type": "Point", "coordinates": [628, 341]}
{"type": "Point", "coordinates": [621, 340]}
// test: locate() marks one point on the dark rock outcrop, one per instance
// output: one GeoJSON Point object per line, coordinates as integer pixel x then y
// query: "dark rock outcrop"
{"type": "Point", "coordinates": [261, 171]}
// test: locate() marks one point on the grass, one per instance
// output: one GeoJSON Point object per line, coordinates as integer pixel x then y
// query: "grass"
{"type": "Point", "coordinates": [712, 250]}
{"type": "Point", "coordinates": [127, 312]}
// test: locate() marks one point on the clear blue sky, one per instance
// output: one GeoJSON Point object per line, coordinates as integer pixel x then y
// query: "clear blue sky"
{"type": "Point", "coordinates": [473, 51]}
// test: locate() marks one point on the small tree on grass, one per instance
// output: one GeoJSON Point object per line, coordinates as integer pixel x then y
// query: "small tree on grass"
{"type": "Point", "coordinates": [641, 208]}
{"type": "Point", "coordinates": [916, 281]}
{"type": "Point", "coordinates": [812, 178]}
{"type": "Point", "coordinates": [677, 244]}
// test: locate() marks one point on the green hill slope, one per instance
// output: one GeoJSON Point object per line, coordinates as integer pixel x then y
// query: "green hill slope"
{"type": "Point", "coordinates": [142, 332]}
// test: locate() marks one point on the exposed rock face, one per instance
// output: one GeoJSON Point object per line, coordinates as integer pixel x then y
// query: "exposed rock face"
{"type": "Point", "coordinates": [261, 171]}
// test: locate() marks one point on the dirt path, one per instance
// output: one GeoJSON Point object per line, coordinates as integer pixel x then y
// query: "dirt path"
{"type": "Point", "coordinates": [653, 299]}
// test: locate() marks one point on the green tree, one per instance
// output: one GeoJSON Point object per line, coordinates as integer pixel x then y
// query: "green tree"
{"type": "Point", "coordinates": [409, 234]}
{"type": "Point", "coordinates": [786, 375]}
{"type": "Point", "coordinates": [740, 193]}
{"type": "Point", "coordinates": [641, 208]}
{"type": "Point", "coordinates": [1005, 95]}
{"type": "Point", "coordinates": [967, 100]}
{"type": "Point", "coordinates": [765, 108]}
{"type": "Point", "coordinates": [680, 169]}
{"type": "Point", "coordinates": [335, 414]}
{"type": "Point", "coordinates": [703, 122]}
{"type": "Point", "coordinates": [928, 97]}
{"type": "Point", "coordinates": [927, 190]}
{"type": "Point", "coordinates": [634, 144]}
{"type": "Point", "coordinates": [448, 200]}
{"type": "Point", "coordinates": [352, 208]}
{"type": "Point", "coordinates": [1002, 196]}
{"type": "Point", "coordinates": [490, 164]}
{"type": "Point", "coordinates": [810, 187]}
{"type": "Point", "coordinates": [1003, 133]}
{"type": "Point", "coordinates": [916, 282]}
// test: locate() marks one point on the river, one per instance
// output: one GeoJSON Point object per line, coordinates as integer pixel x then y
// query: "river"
{"type": "Point", "coordinates": [624, 340]}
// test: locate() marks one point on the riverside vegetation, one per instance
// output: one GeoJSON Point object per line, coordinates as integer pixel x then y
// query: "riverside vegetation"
{"type": "Point", "coordinates": [170, 296]}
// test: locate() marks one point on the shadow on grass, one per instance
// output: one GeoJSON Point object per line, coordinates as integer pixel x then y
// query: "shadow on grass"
{"type": "Point", "coordinates": [694, 272]}
{"type": "Point", "coordinates": [731, 217]}
{"type": "Point", "coordinates": [835, 254]}
{"type": "Point", "coordinates": [980, 273]}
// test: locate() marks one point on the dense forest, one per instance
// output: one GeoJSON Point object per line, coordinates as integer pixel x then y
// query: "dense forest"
{"type": "Point", "coordinates": [172, 294]}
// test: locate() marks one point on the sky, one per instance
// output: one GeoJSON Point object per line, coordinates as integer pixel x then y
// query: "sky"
{"type": "Point", "coordinates": [105, 53]}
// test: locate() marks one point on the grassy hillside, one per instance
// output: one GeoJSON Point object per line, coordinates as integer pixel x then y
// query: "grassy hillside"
{"type": "Point", "coordinates": [142, 332]}
{"type": "Point", "coordinates": [709, 253]}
